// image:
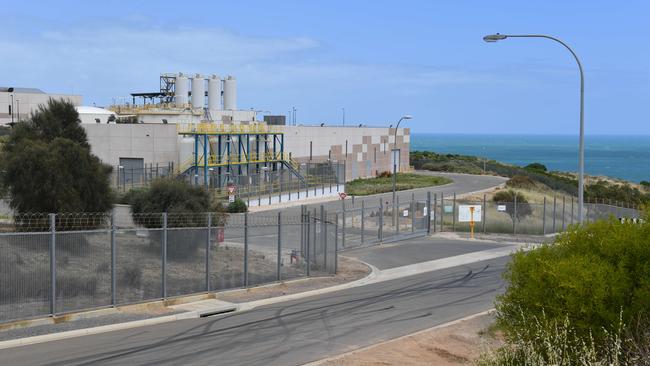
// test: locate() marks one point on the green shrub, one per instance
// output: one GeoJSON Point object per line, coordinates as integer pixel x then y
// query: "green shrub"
{"type": "Point", "coordinates": [520, 181]}
{"type": "Point", "coordinates": [238, 206]}
{"type": "Point", "coordinates": [536, 167]}
{"type": "Point", "coordinates": [507, 198]}
{"type": "Point", "coordinates": [591, 275]}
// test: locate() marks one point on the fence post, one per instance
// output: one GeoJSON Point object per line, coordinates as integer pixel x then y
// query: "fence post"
{"type": "Point", "coordinates": [113, 256]}
{"type": "Point", "coordinates": [453, 214]}
{"type": "Point", "coordinates": [307, 237]}
{"type": "Point", "coordinates": [544, 218]}
{"type": "Point", "coordinates": [164, 257]}
{"type": "Point", "coordinates": [442, 209]}
{"type": "Point", "coordinates": [343, 224]}
{"type": "Point", "coordinates": [554, 211]}
{"type": "Point", "coordinates": [246, 249]}
{"type": "Point", "coordinates": [428, 217]}
{"type": "Point", "coordinates": [52, 264]}
{"type": "Point", "coordinates": [571, 210]}
{"type": "Point", "coordinates": [412, 208]}
{"type": "Point", "coordinates": [323, 234]}
{"type": "Point", "coordinates": [484, 212]}
{"type": "Point", "coordinates": [363, 226]}
{"type": "Point", "coordinates": [396, 210]}
{"type": "Point", "coordinates": [336, 243]}
{"type": "Point", "coordinates": [207, 253]}
{"type": "Point", "coordinates": [563, 212]}
{"type": "Point", "coordinates": [381, 221]}
{"type": "Point", "coordinates": [433, 211]}
{"type": "Point", "coordinates": [279, 245]}
{"type": "Point", "coordinates": [514, 218]}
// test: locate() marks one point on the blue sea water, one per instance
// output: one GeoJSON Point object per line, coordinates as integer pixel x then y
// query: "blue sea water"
{"type": "Point", "coordinates": [626, 157]}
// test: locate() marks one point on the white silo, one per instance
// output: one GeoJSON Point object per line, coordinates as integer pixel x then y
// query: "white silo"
{"type": "Point", "coordinates": [198, 91]}
{"type": "Point", "coordinates": [214, 93]}
{"type": "Point", "coordinates": [230, 93]}
{"type": "Point", "coordinates": [181, 89]}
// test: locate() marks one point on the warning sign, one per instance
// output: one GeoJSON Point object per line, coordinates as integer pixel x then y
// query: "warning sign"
{"type": "Point", "coordinates": [343, 195]}
{"type": "Point", "coordinates": [469, 213]}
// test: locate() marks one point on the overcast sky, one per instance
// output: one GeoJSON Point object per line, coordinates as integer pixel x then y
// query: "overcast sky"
{"type": "Point", "coordinates": [376, 59]}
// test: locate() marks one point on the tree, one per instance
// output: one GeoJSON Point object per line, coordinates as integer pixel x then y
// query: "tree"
{"type": "Point", "coordinates": [507, 198]}
{"type": "Point", "coordinates": [536, 167]}
{"type": "Point", "coordinates": [48, 167]}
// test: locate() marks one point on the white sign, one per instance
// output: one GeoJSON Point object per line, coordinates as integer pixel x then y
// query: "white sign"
{"type": "Point", "coordinates": [406, 213]}
{"type": "Point", "coordinates": [231, 198]}
{"type": "Point", "coordinates": [501, 208]}
{"type": "Point", "coordinates": [425, 210]}
{"type": "Point", "coordinates": [467, 213]}
{"type": "Point", "coordinates": [449, 209]}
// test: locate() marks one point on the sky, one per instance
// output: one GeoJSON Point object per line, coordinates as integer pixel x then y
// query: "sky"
{"type": "Point", "coordinates": [376, 59]}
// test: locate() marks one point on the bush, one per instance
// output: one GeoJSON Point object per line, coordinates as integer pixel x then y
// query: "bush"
{"type": "Point", "coordinates": [520, 181]}
{"type": "Point", "coordinates": [591, 275]}
{"type": "Point", "coordinates": [536, 167]}
{"type": "Point", "coordinates": [238, 206]}
{"type": "Point", "coordinates": [507, 198]}
{"type": "Point", "coordinates": [385, 174]}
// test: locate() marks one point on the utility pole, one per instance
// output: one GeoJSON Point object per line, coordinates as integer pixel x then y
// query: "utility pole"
{"type": "Point", "coordinates": [343, 116]}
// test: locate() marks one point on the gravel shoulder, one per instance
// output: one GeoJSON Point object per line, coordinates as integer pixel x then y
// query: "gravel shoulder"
{"type": "Point", "coordinates": [459, 343]}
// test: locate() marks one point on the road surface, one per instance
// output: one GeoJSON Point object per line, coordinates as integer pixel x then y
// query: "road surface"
{"type": "Point", "coordinates": [296, 332]}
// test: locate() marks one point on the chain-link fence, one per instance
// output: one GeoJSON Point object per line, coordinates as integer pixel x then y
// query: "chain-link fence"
{"type": "Point", "coordinates": [59, 263]}
{"type": "Point", "coordinates": [363, 224]}
{"type": "Point", "coordinates": [256, 184]}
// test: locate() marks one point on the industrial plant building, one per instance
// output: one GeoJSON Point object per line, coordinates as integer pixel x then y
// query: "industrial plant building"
{"type": "Point", "coordinates": [17, 103]}
{"type": "Point", "coordinates": [192, 127]}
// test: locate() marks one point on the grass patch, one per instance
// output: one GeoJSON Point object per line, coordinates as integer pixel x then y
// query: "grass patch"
{"type": "Point", "coordinates": [367, 186]}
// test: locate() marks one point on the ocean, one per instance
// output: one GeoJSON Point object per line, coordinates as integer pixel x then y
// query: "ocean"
{"type": "Point", "coordinates": [625, 157]}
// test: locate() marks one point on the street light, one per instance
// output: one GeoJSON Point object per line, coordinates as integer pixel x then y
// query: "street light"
{"type": "Point", "coordinates": [406, 116]}
{"type": "Point", "coordinates": [581, 154]}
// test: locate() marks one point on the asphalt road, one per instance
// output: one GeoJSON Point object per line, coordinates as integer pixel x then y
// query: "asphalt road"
{"type": "Point", "coordinates": [462, 183]}
{"type": "Point", "coordinates": [290, 333]}
{"type": "Point", "coordinates": [417, 250]}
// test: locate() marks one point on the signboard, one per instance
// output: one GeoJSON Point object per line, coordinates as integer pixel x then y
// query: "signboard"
{"type": "Point", "coordinates": [406, 213]}
{"type": "Point", "coordinates": [343, 195]}
{"type": "Point", "coordinates": [502, 208]}
{"type": "Point", "coordinates": [449, 209]}
{"type": "Point", "coordinates": [469, 213]}
{"type": "Point", "coordinates": [231, 192]}
{"type": "Point", "coordinates": [425, 211]}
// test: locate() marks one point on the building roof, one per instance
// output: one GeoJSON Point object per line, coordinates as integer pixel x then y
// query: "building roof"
{"type": "Point", "coordinates": [5, 89]}
{"type": "Point", "coordinates": [84, 109]}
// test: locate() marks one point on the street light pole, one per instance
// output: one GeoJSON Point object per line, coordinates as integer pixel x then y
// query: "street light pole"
{"type": "Point", "coordinates": [12, 109]}
{"type": "Point", "coordinates": [406, 116]}
{"type": "Point", "coordinates": [581, 153]}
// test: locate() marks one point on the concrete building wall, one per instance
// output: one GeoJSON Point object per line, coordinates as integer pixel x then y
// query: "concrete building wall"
{"type": "Point", "coordinates": [154, 143]}
{"type": "Point", "coordinates": [365, 150]}
{"type": "Point", "coordinates": [25, 103]}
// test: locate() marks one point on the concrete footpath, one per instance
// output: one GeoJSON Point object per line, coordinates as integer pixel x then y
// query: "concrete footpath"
{"type": "Point", "coordinates": [215, 306]}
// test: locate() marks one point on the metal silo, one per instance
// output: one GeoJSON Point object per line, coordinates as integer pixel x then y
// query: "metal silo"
{"type": "Point", "coordinates": [198, 91]}
{"type": "Point", "coordinates": [230, 93]}
{"type": "Point", "coordinates": [214, 92]}
{"type": "Point", "coordinates": [181, 89]}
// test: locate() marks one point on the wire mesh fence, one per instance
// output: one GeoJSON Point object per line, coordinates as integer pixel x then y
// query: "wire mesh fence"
{"type": "Point", "coordinates": [363, 224]}
{"type": "Point", "coordinates": [83, 261]}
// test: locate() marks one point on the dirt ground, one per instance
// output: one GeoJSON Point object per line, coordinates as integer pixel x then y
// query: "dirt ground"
{"type": "Point", "coordinates": [460, 343]}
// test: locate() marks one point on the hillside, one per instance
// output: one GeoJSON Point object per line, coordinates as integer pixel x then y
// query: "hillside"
{"type": "Point", "coordinates": [596, 188]}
